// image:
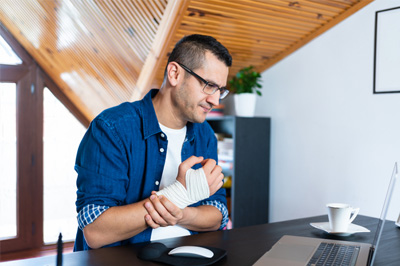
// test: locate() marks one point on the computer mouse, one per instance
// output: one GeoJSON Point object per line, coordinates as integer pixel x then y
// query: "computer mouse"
{"type": "Point", "coordinates": [192, 252]}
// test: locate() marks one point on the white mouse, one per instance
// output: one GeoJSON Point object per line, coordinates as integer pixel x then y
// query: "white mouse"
{"type": "Point", "coordinates": [191, 251]}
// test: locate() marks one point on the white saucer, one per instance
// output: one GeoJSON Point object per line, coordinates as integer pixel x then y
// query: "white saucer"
{"type": "Point", "coordinates": [353, 228]}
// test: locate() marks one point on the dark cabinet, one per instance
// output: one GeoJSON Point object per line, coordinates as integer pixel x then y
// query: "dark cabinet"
{"type": "Point", "coordinates": [249, 194]}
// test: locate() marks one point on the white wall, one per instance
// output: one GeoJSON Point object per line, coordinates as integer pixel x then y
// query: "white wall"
{"type": "Point", "coordinates": [333, 140]}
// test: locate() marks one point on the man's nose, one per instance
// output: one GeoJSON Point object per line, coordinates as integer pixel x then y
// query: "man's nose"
{"type": "Point", "coordinates": [214, 98]}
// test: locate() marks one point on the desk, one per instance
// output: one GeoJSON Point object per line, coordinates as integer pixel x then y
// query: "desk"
{"type": "Point", "coordinates": [244, 245]}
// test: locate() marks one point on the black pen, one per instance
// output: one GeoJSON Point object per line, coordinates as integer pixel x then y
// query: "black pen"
{"type": "Point", "coordinates": [59, 250]}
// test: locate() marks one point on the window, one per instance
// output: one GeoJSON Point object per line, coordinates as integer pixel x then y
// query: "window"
{"type": "Point", "coordinates": [39, 138]}
{"type": "Point", "coordinates": [8, 161]}
{"type": "Point", "coordinates": [61, 137]}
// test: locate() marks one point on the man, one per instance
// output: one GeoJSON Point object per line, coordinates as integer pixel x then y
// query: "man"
{"type": "Point", "coordinates": [147, 170]}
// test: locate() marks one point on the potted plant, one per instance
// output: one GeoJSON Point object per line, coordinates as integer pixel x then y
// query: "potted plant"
{"type": "Point", "coordinates": [245, 86]}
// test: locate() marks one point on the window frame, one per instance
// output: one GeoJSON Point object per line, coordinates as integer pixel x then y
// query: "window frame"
{"type": "Point", "coordinates": [30, 82]}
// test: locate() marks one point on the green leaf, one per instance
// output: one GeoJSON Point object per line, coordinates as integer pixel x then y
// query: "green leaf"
{"type": "Point", "coordinates": [245, 81]}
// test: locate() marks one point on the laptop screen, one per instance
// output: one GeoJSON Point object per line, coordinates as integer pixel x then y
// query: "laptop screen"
{"type": "Point", "coordinates": [385, 208]}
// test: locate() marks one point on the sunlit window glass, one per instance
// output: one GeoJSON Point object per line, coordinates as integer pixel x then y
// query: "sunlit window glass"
{"type": "Point", "coordinates": [8, 161]}
{"type": "Point", "coordinates": [7, 55]}
{"type": "Point", "coordinates": [61, 136]}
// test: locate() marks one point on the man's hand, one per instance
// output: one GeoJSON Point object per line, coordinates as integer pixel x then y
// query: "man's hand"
{"type": "Point", "coordinates": [214, 175]}
{"type": "Point", "coordinates": [161, 212]}
{"type": "Point", "coordinates": [186, 165]}
{"type": "Point", "coordinates": [212, 171]}
{"type": "Point", "coordinates": [201, 218]}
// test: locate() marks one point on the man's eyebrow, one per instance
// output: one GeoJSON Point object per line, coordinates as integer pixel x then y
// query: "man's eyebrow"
{"type": "Point", "coordinates": [214, 83]}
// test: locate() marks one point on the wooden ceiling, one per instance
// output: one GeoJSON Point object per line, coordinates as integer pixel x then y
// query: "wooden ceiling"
{"type": "Point", "coordinates": [104, 52]}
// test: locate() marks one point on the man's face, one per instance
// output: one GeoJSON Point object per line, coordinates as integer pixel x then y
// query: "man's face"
{"type": "Point", "coordinates": [192, 103]}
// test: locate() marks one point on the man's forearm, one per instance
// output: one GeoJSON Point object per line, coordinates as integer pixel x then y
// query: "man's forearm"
{"type": "Point", "coordinates": [201, 218]}
{"type": "Point", "coordinates": [116, 224]}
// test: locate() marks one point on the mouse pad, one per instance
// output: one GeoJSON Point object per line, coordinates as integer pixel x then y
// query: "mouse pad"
{"type": "Point", "coordinates": [158, 252]}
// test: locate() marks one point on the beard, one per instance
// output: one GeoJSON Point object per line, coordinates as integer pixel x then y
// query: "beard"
{"type": "Point", "coordinates": [188, 108]}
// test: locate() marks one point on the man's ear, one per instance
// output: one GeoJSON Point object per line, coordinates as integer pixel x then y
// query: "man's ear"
{"type": "Point", "coordinates": [174, 73]}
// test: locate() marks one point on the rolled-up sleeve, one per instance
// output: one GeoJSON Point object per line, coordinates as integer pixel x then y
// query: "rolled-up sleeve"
{"type": "Point", "coordinates": [89, 214]}
{"type": "Point", "coordinates": [222, 208]}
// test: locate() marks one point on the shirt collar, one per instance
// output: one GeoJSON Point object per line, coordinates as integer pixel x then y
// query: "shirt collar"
{"type": "Point", "coordinates": [149, 118]}
{"type": "Point", "coordinates": [150, 121]}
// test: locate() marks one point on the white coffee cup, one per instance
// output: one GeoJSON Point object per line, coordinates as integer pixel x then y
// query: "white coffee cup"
{"type": "Point", "coordinates": [340, 216]}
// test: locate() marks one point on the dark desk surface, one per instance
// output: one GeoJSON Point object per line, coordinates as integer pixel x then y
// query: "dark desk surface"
{"type": "Point", "coordinates": [244, 245]}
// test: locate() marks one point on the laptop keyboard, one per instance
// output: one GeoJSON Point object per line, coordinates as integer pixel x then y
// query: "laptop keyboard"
{"type": "Point", "coordinates": [334, 254]}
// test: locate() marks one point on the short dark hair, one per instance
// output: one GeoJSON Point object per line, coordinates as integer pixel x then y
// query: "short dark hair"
{"type": "Point", "coordinates": [190, 51]}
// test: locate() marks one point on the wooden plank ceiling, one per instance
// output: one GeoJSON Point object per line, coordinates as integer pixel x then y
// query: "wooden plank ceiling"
{"type": "Point", "coordinates": [104, 52]}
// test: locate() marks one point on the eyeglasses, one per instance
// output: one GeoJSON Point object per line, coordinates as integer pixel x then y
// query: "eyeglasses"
{"type": "Point", "coordinates": [209, 88]}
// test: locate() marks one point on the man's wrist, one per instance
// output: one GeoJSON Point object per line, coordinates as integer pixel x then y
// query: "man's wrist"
{"type": "Point", "coordinates": [196, 189]}
{"type": "Point", "coordinates": [188, 215]}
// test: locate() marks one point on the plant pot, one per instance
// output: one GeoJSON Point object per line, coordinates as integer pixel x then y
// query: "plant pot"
{"type": "Point", "coordinates": [245, 104]}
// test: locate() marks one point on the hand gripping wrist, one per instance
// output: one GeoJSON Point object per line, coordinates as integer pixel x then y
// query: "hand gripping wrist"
{"type": "Point", "coordinates": [196, 189]}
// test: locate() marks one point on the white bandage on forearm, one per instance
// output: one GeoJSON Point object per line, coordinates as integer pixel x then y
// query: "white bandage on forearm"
{"type": "Point", "coordinates": [196, 189]}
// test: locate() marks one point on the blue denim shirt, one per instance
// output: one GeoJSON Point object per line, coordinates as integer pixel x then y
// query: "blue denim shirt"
{"type": "Point", "coordinates": [122, 155]}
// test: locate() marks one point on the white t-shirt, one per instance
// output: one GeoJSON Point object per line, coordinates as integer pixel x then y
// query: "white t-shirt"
{"type": "Point", "coordinates": [175, 137]}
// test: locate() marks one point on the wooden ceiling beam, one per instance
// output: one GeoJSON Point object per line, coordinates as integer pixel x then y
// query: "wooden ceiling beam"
{"type": "Point", "coordinates": [170, 21]}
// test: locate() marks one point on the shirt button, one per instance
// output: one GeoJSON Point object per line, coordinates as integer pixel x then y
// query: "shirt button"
{"type": "Point", "coordinates": [157, 183]}
{"type": "Point", "coordinates": [161, 149]}
{"type": "Point", "coordinates": [162, 135]}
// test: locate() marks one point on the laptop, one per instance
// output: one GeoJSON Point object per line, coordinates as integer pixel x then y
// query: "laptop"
{"type": "Point", "coordinates": [295, 250]}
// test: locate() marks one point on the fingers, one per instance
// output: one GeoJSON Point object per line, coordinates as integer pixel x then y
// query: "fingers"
{"type": "Point", "coordinates": [161, 212]}
{"type": "Point", "coordinates": [150, 222]}
{"type": "Point", "coordinates": [212, 171]}
{"type": "Point", "coordinates": [214, 175]}
{"type": "Point", "coordinates": [209, 165]}
{"type": "Point", "coordinates": [172, 209]}
{"type": "Point", "coordinates": [155, 217]}
{"type": "Point", "coordinates": [205, 161]}
{"type": "Point", "coordinates": [190, 162]}
{"type": "Point", "coordinates": [217, 184]}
